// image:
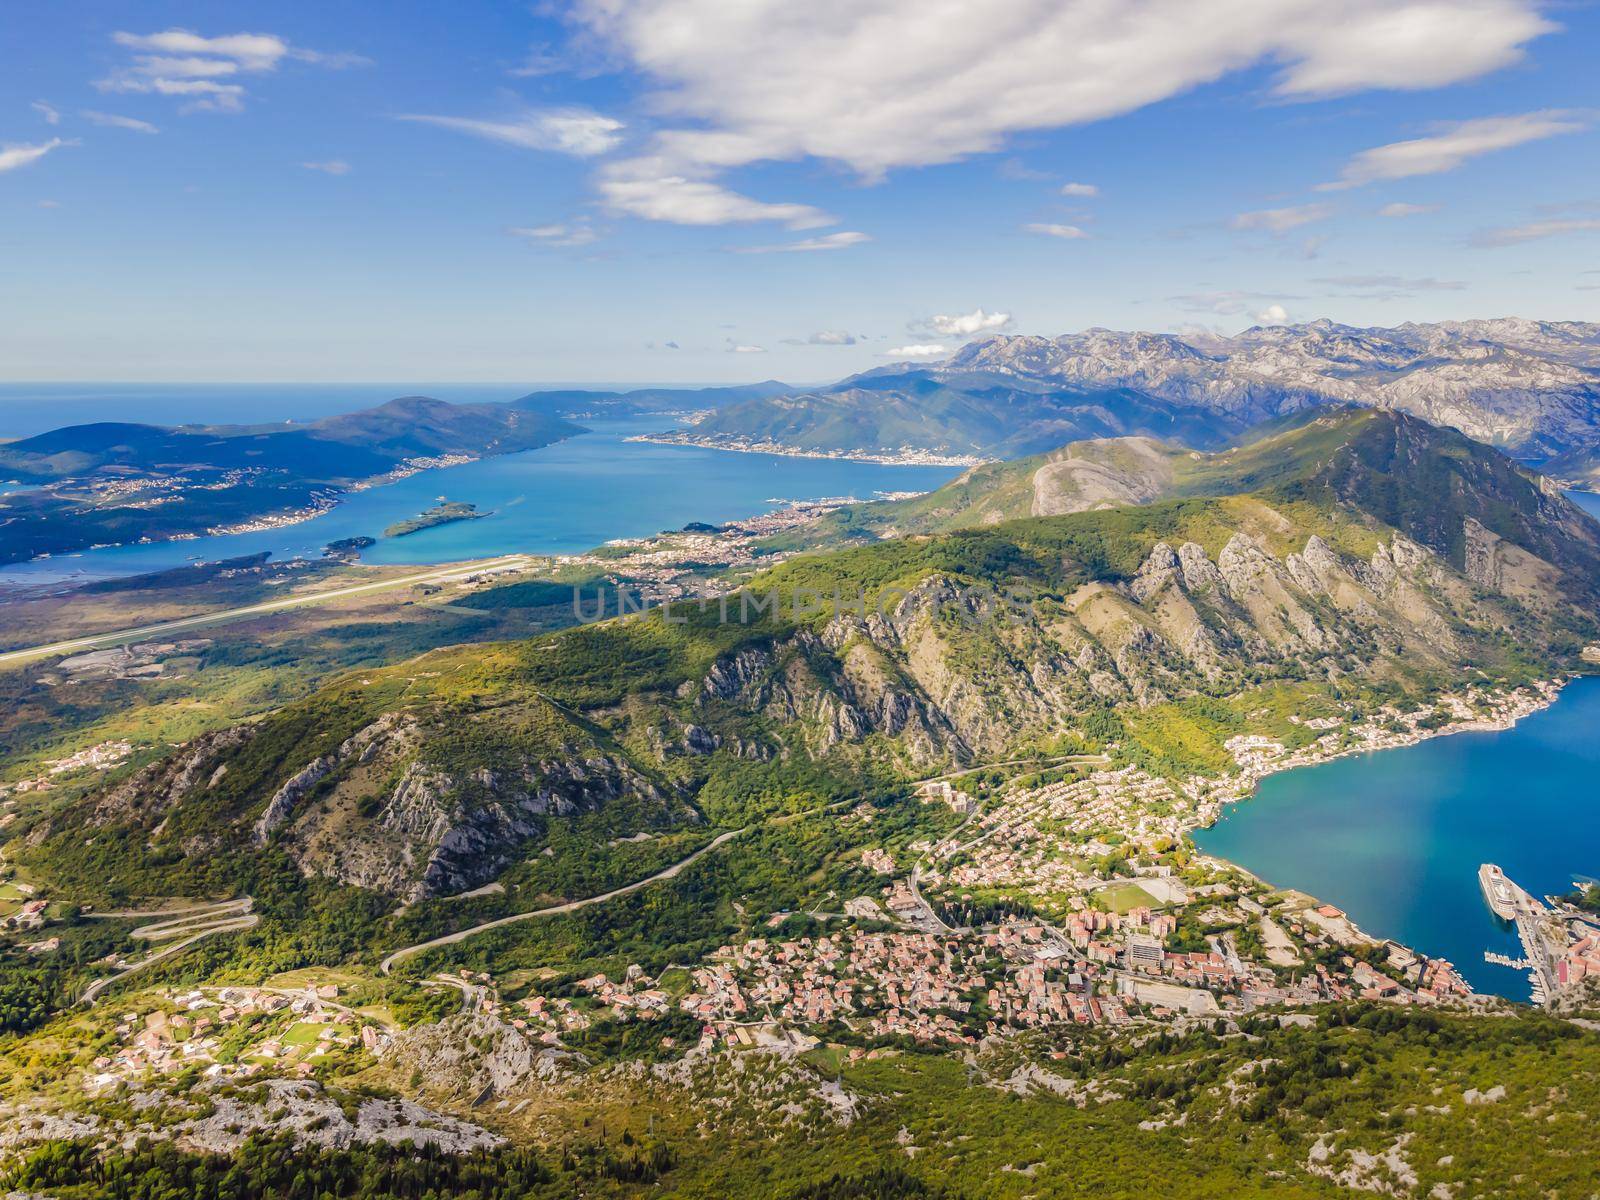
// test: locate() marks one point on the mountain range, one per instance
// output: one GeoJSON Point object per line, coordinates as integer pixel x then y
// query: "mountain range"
{"type": "Point", "coordinates": [1302, 559]}
{"type": "Point", "coordinates": [1529, 387]}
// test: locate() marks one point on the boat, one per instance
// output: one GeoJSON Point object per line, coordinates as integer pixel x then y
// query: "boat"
{"type": "Point", "coordinates": [1498, 892]}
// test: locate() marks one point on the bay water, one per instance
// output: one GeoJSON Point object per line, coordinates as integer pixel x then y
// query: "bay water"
{"type": "Point", "coordinates": [1395, 837]}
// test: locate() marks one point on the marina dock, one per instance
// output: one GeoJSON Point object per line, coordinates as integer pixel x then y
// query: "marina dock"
{"type": "Point", "coordinates": [1511, 903]}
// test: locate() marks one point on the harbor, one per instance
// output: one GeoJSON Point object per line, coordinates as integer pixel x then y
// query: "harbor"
{"type": "Point", "coordinates": [1560, 941]}
{"type": "Point", "coordinates": [1396, 838]}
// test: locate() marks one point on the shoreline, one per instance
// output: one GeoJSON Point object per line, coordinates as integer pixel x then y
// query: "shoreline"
{"type": "Point", "coordinates": [325, 501]}
{"type": "Point", "coordinates": [1517, 704]}
{"type": "Point", "coordinates": [913, 458]}
{"type": "Point", "coordinates": [1245, 785]}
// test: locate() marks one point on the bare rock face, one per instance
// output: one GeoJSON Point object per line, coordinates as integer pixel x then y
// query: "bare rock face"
{"type": "Point", "coordinates": [354, 748]}
{"type": "Point", "coordinates": [294, 790]}
{"type": "Point", "coordinates": [1530, 386]}
{"type": "Point", "coordinates": [148, 794]}
{"type": "Point", "coordinates": [296, 1108]}
{"type": "Point", "coordinates": [438, 833]}
{"type": "Point", "coordinates": [1200, 574]}
{"type": "Point", "coordinates": [302, 1110]}
{"type": "Point", "coordinates": [1160, 569]}
{"type": "Point", "coordinates": [930, 672]}
{"type": "Point", "coordinates": [471, 1056]}
{"type": "Point", "coordinates": [737, 675]}
{"type": "Point", "coordinates": [1482, 560]}
{"type": "Point", "coordinates": [699, 740]}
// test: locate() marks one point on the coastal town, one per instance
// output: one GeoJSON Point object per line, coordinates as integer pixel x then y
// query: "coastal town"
{"type": "Point", "coordinates": [1074, 901]}
{"type": "Point", "coordinates": [673, 565]}
{"type": "Point", "coordinates": [906, 456]}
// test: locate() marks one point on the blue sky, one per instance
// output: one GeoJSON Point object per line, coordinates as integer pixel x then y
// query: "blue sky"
{"type": "Point", "coordinates": [689, 190]}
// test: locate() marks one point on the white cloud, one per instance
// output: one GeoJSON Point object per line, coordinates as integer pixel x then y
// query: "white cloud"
{"type": "Point", "coordinates": [967, 324]}
{"type": "Point", "coordinates": [50, 115]}
{"type": "Point", "coordinates": [1281, 220]}
{"type": "Point", "coordinates": [1050, 229]}
{"type": "Point", "coordinates": [578, 233]}
{"type": "Point", "coordinates": [575, 131]}
{"type": "Point", "coordinates": [1511, 235]}
{"type": "Point", "coordinates": [916, 350]}
{"type": "Point", "coordinates": [1453, 144]}
{"type": "Point", "coordinates": [1400, 209]}
{"type": "Point", "coordinates": [741, 348]}
{"type": "Point", "coordinates": [1079, 189]}
{"type": "Point", "coordinates": [540, 60]}
{"type": "Point", "coordinates": [1273, 314]}
{"type": "Point", "coordinates": [204, 95]}
{"type": "Point", "coordinates": [824, 337]}
{"type": "Point", "coordinates": [17, 155]}
{"type": "Point", "coordinates": [252, 51]}
{"type": "Point", "coordinates": [827, 241]}
{"type": "Point", "coordinates": [181, 63]}
{"type": "Point", "coordinates": [188, 68]}
{"type": "Point", "coordinates": [876, 85]}
{"type": "Point", "coordinates": [647, 187]}
{"type": "Point", "coordinates": [334, 166]}
{"type": "Point", "coordinates": [49, 204]}
{"type": "Point", "coordinates": [113, 121]}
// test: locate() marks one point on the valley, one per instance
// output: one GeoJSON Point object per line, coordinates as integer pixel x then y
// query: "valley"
{"type": "Point", "coordinates": [796, 813]}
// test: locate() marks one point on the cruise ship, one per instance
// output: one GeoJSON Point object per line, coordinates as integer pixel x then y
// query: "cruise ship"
{"type": "Point", "coordinates": [1498, 891]}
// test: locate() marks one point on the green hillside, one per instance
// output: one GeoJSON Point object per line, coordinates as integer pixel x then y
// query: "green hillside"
{"type": "Point", "coordinates": [1395, 469]}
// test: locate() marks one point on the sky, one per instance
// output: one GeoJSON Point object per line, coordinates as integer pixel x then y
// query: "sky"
{"type": "Point", "coordinates": [704, 191]}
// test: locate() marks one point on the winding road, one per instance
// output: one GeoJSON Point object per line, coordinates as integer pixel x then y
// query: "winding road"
{"type": "Point", "coordinates": [188, 925]}
{"type": "Point", "coordinates": [557, 909]}
{"type": "Point", "coordinates": [387, 965]}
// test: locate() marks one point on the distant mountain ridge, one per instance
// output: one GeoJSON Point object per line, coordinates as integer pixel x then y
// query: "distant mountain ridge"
{"type": "Point", "coordinates": [228, 476]}
{"type": "Point", "coordinates": [1530, 387]}
{"type": "Point", "coordinates": [579, 403]}
{"type": "Point", "coordinates": [347, 446]}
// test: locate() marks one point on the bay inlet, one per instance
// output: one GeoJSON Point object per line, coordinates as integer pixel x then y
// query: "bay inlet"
{"type": "Point", "coordinates": [563, 498]}
{"type": "Point", "coordinates": [1395, 837]}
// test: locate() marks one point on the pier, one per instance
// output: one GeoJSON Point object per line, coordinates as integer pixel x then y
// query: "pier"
{"type": "Point", "coordinates": [1503, 960]}
{"type": "Point", "coordinates": [1510, 902]}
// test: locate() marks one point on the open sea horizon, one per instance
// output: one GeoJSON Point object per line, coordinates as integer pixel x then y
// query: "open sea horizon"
{"type": "Point", "coordinates": [27, 409]}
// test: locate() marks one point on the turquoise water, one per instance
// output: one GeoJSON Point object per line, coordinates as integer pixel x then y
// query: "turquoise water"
{"type": "Point", "coordinates": [560, 499]}
{"type": "Point", "coordinates": [1395, 837]}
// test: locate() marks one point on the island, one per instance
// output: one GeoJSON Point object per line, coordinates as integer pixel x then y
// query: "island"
{"type": "Point", "coordinates": [442, 513]}
{"type": "Point", "coordinates": [350, 547]}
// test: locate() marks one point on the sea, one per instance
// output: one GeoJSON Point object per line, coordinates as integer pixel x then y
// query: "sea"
{"type": "Point", "coordinates": [1395, 837]}
{"type": "Point", "coordinates": [560, 499]}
